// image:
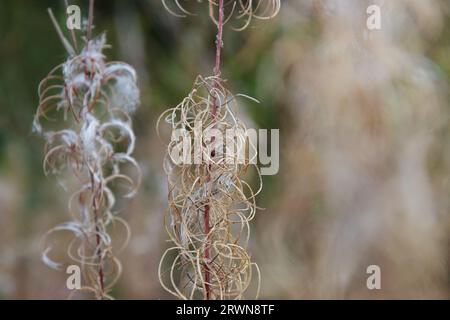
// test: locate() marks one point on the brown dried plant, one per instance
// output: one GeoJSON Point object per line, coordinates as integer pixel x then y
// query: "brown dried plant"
{"type": "Point", "coordinates": [240, 10]}
{"type": "Point", "coordinates": [210, 204]}
{"type": "Point", "coordinates": [89, 102]}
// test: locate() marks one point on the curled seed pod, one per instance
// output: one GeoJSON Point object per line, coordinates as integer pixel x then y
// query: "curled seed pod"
{"type": "Point", "coordinates": [241, 10]}
{"type": "Point", "coordinates": [210, 205]}
{"type": "Point", "coordinates": [90, 102]}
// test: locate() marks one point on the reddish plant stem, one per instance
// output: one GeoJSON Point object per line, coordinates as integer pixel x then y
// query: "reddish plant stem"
{"type": "Point", "coordinates": [219, 39]}
{"type": "Point", "coordinates": [99, 254]}
{"type": "Point", "coordinates": [215, 107]}
{"type": "Point", "coordinates": [97, 236]}
{"type": "Point", "coordinates": [95, 200]}
{"type": "Point", "coordinates": [207, 278]}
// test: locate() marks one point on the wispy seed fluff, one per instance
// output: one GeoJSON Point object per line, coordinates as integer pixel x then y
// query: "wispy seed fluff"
{"type": "Point", "coordinates": [84, 113]}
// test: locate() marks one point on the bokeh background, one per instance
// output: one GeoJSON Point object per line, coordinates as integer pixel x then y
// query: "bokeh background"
{"type": "Point", "coordinates": [365, 151]}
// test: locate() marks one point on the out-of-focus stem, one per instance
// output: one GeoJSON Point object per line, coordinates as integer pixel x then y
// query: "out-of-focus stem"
{"type": "Point", "coordinates": [219, 39]}
{"type": "Point", "coordinates": [90, 19]}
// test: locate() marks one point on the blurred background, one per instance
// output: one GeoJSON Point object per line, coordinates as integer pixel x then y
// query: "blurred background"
{"type": "Point", "coordinates": [364, 121]}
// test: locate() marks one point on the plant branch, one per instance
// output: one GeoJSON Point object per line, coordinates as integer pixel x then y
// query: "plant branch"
{"type": "Point", "coordinates": [217, 72]}
{"type": "Point", "coordinates": [95, 206]}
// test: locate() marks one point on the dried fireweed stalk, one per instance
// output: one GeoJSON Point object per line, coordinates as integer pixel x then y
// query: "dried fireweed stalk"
{"type": "Point", "coordinates": [90, 101]}
{"type": "Point", "coordinates": [240, 10]}
{"type": "Point", "coordinates": [210, 203]}
{"type": "Point", "coordinates": [212, 258]}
